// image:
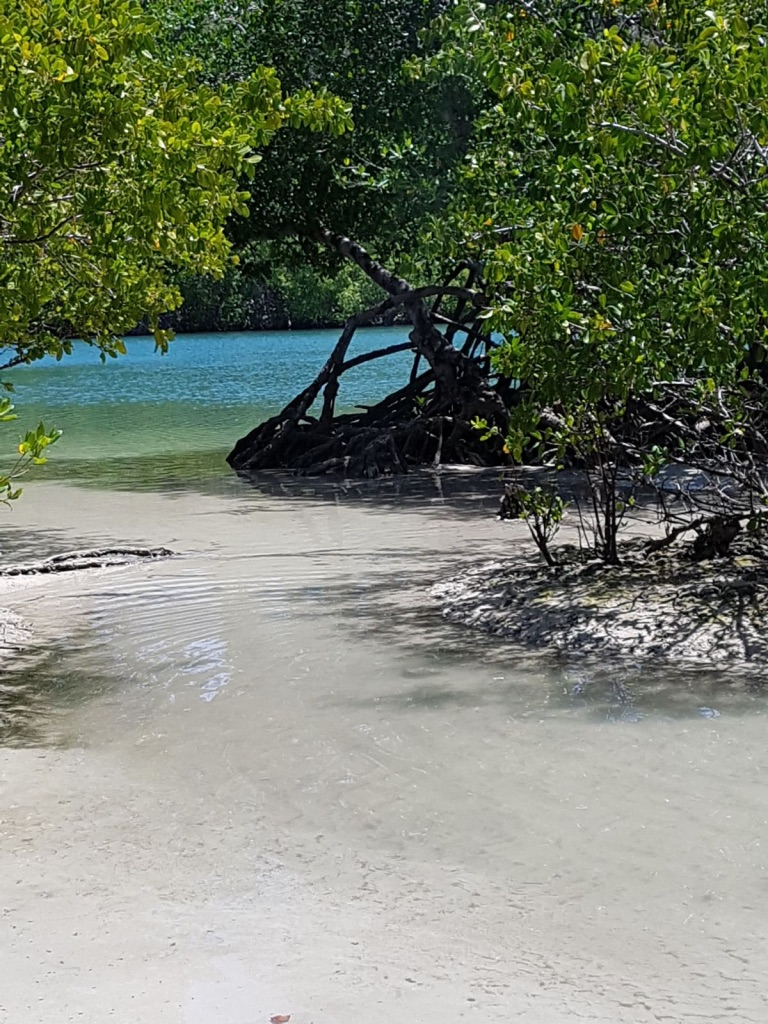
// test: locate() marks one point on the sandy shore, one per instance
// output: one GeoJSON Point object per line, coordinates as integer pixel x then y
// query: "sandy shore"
{"type": "Point", "coordinates": [267, 778]}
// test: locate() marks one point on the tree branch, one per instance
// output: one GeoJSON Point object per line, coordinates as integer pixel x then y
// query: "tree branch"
{"type": "Point", "coordinates": [379, 353]}
{"type": "Point", "coordinates": [39, 238]}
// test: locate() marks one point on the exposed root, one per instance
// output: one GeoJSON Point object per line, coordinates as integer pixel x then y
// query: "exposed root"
{"type": "Point", "coordinates": [425, 423]}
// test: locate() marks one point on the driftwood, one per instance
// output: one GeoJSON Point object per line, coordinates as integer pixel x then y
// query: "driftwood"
{"type": "Point", "coordinates": [75, 560]}
{"type": "Point", "coordinates": [426, 422]}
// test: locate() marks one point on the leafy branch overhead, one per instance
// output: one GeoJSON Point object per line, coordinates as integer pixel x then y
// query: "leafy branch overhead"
{"type": "Point", "coordinates": [116, 167]}
{"type": "Point", "coordinates": [376, 183]}
{"type": "Point", "coordinates": [31, 452]}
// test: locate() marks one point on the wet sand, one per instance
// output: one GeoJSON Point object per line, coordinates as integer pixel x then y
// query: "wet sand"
{"type": "Point", "coordinates": [267, 778]}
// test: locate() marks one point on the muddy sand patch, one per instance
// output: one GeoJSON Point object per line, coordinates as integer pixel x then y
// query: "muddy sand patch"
{"type": "Point", "coordinates": [660, 606]}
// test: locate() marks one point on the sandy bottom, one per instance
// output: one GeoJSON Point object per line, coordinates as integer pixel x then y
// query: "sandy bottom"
{"type": "Point", "coordinates": [266, 778]}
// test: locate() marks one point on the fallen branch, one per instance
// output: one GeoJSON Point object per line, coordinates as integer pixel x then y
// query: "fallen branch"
{"type": "Point", "coordinates": [710, 524]}
{"type": "Point", "coordinates": [76, 560]}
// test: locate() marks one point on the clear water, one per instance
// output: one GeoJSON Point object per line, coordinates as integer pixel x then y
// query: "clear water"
{"type": "Point", "coordinates": [191, 404]}
{"type": "Point", "coordinates": [264, 777]}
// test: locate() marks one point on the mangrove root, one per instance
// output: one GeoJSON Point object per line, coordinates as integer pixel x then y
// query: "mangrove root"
{"type": "Point", "coordinates": [427, 422]}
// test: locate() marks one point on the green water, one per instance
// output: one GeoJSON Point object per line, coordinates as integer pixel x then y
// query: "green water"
{"type": "Point", "coordinates": [152, 421]}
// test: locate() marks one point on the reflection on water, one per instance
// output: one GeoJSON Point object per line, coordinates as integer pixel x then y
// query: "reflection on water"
{"type": "Point", "coordinates": [633, 694]}
{"type": "Point", "coordinates": [150, 632]}
{"type": "Point", "coordinates": [34, 701]}
{"type": "Point", "coordinates": [168, 472]}
{"type": "Point", "coordinates": [40, 689]}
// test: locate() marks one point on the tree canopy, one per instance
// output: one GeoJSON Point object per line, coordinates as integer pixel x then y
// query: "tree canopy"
{"type": "Point", "coordinates": [376, 183]}
{"type": "Point", "coordinates": [117, 165]}
{"type": "Point", "coordinates": [617, 189]}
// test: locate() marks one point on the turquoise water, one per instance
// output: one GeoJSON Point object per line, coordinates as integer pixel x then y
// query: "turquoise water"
{"type": "Point", "coordinates": [145, 414]}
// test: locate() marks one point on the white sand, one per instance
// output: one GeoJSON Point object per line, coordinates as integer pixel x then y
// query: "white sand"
{"type": "Point", "coordinates": [293, 789]}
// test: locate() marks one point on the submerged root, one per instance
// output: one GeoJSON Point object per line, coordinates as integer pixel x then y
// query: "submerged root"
{"type": "Point", "coordinates": [77, 560]}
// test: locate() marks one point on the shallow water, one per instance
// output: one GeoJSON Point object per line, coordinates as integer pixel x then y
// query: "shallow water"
{"type": "Point", "coordinates": [264, 777]}
{"type": "Point", "coordinates": [198, 398]}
